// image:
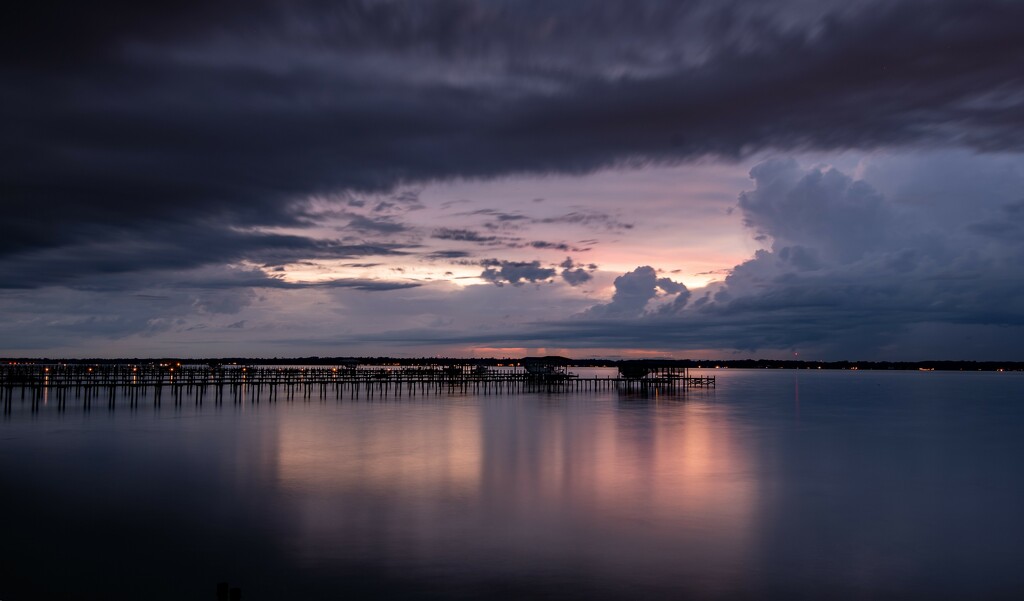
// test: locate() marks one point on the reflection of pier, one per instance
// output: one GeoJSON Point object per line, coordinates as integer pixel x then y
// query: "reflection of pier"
{"type": "Point", "coordinates": [97, 383]}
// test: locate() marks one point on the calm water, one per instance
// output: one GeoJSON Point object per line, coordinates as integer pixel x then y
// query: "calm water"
{"type": "Point", "coordinates": [778, 484]}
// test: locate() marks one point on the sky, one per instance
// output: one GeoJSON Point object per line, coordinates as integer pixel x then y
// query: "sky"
{"type": "Point", "coordinates": [637, 178]}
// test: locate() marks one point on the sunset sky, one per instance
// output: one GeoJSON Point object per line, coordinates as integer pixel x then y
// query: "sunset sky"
{"type": "Point", "coordinates": [634, 178]}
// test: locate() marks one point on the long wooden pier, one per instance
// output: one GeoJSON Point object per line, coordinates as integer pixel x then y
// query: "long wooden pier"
{"type": "Point", "coordinates": [158, 383]}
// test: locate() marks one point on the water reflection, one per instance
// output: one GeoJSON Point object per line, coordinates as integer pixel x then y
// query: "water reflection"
{"type": "Point", "coordinates": [885, 486]}
{"type": "Point", "coordinates": [523, 485]}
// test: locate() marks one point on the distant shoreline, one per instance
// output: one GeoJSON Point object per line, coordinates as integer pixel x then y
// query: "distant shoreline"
{"type": "Point", "coordinates": [593, 362]}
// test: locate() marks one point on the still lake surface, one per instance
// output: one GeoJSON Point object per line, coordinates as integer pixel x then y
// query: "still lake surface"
{"type": "Point", "coordinates": [776, 484]}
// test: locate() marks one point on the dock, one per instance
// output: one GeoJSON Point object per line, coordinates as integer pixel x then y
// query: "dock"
{"type": "Point", "coordinates": [159, 383]}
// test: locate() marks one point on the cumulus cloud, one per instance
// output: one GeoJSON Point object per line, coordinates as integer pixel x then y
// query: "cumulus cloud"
{"type": "Point", "coordinates": [848, 271]}
{"type": "Point", "coordinates": [846, 268]}
{"type": "Point", "coordinates": [817, 212]}
{"type": "Point", "coordinates": [576, 274]}
{"type": "Point", "coordinates": [576, 277]}
{"type": "Point", "coordinates": [516, 273]}
{"type": "Point", "coordinates": [861, 265]}
{"type": "Point", "coordinates": [634, 290]}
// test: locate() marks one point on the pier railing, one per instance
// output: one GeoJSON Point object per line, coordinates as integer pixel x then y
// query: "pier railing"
{"type": "Point", "coordinates": [90, 383]}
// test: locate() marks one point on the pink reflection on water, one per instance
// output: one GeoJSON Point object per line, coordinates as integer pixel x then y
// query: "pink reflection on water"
{"type": "Point", "coordinates": [620, 491]}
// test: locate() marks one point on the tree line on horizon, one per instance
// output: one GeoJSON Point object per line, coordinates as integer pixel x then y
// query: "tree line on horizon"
{"type": "Point", "coordinates": [941, 365]}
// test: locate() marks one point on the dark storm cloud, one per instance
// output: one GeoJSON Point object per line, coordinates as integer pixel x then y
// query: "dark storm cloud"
{"type": "Point", "coordinates": [849, 266]}
{"type": "Point", "coordinates": [833, 335]}
{"type": "Point", "coordinates": [140, 117]}
{"type": "Point", "coordinates": [219, 278]}
{"type": "Point", "coordinates": [111, 251]}
{"type": "Point", "coordinates": [147, 146]}
{"type": "Point", "coordinates": [255, 279]}
{"type": "Point", "coordinates": [1007, 226]}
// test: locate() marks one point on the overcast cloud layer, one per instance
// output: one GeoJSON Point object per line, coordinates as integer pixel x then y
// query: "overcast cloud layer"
{"type": "Point", "coordinates": [282, 178]}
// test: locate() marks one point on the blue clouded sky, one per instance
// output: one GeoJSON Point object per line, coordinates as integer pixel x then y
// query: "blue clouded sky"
{"type": "Point", "coordinates": [643, 178]}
